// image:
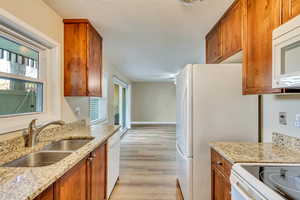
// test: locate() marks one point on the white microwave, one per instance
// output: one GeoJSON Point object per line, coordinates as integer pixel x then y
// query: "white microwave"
{"type": "Point", "coordinates": [286, 55]}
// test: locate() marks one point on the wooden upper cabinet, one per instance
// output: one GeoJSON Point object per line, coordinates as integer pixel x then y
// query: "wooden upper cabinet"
{"type": "Point", "coordinates": [231, 31]}
{"type": "Point", "coordinates": [213, 45]}
{"type": "Point", "coordinates": [225, 39]}
{"type": "Point", "coordinates": [261, 17]}
{"type": "Point", "coordinates": [291, 8]}
{"type": "Point", "coordinates": [73, 185]}
{"type": "Point", "coordinates": [82, 59]}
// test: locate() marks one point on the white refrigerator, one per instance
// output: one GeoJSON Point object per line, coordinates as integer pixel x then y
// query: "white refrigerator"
{"type": "Point", "coordinates": [210, 107]}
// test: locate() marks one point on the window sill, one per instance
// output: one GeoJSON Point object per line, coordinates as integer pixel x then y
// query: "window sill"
{"type": "Point", "coordinates": [98, 122]}
{"type": "Point", "coordinates": [15, 123]}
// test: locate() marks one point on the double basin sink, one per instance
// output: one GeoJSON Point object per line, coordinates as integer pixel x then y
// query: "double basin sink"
{"type": "Point", "coordinates": [50, 154]}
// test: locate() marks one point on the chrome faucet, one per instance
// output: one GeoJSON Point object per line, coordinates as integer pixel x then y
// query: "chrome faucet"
{"type": "Point", "coordinates": [34, 131]}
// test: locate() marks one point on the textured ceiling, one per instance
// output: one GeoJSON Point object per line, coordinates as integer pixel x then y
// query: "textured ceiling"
{"type": "Point", "coordinates": [148, 40]}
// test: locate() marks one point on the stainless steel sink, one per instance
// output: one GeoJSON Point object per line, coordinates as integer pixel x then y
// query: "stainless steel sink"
{"type": "Point", "coordinates": [38, 159]}
{"type": "Point", "coordinates": [67, 145]}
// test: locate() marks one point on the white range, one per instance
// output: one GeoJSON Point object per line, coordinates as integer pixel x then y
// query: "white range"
{"type": "Point", "coordinates": [265, 181]}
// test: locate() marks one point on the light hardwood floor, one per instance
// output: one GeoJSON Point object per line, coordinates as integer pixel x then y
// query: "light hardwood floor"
{"type": "Point", "coordinates": [148, 159]}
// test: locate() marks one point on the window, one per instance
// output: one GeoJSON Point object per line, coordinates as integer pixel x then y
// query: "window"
{"type": "Point", "coordinates": [98, 105]}
{"type": "Point", "coordinates": [21, 84]}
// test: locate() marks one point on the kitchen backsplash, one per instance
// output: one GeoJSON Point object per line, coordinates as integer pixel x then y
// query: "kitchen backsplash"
{"type": "Point", "coordinates": [286, 141]}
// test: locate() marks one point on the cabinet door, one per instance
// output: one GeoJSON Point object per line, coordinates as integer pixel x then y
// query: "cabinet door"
{"type": "Point", "coordinates": [231, 31]}
{"type": "Point", "coordinates": [94, 61]}
{"type": "Point", "coordinates": [218, 182]}
{"type": "Point", "coordinates": [228, 190]}
{"type": "Point", "coordinates": [98, 174]}
{"type": "Point", "coordinates": [213, 45]}
{"type": "Point", "coordinates": [46, 195]}
{"type": "Point", "coordinates": [73, 185]}
{"type": "Point", "coordinates": [75, 54]}
{"type": "Point", "coordinates": [261, 17]}
{"type": "Point", "coordinates": [291, 8]}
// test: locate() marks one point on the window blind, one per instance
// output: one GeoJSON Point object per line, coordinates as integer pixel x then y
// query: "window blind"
{"type": "Point", "coordinates": [98, 106]}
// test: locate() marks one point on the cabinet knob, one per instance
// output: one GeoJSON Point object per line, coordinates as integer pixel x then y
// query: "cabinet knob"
{"type": "Point", "coordinates": [90, 159]}
{"type": "Point", "coordinates": [219, 163]}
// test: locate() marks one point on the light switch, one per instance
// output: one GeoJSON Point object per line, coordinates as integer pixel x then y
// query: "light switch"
{"type": "Point", "coordinates": [77, 111]}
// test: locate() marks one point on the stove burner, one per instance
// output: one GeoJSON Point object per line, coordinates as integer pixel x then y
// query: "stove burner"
{"type": "Point", "coordinates": [284, 180]}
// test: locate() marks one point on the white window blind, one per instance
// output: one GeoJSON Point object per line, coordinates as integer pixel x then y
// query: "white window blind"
{"type": "Point", "coordinates": [98, 105]}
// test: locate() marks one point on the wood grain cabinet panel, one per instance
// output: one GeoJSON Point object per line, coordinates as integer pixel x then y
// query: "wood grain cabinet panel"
{"type": "Point", "coordinates": [218, 185]}
{"type": "Point", "coordinates": [220, 173]}
{"type": "Point", "coordinates": [213, 45]}
{"type": "Point", "coordinates": [82, 59]}
{"type": "Point", "coordinates": [48, 194]}
{"type": "Point", "coordinates": [291, 8]}
{"type": "Point", "coordinates": [225, 38]}
{"type": "Point", "coordinates": [261, 17]}
{"type": "Point", "coordinates": [98, 174]}
{"type": "Point", "coordinates": [73, 185]}
{"type": "Point", "coordinates": [231, 31]}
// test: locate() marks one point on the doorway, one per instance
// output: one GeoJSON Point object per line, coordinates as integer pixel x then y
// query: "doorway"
{"type": "Point", "coordinates": [121, 104]}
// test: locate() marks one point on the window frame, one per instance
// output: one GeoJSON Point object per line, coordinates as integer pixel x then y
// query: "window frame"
{"type": "Point", "coordinates": [54, 100]}
{"type": "Point", "coordinates": [27, 42]}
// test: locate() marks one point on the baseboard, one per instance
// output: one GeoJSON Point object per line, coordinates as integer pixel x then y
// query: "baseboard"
{"type": "Point", "coordinates": [154, 123]}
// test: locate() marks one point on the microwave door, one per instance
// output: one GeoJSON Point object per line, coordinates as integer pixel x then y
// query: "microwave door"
{"type": "Point", "coordinates": [286, 63]}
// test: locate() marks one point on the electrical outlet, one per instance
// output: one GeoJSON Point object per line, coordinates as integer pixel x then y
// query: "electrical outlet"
{"type": "Point", "coordinates": [297, 121]}
{"type": "Point", "coordinates": [77, 111]}
{"type": "Point", "coordinates": [283, 118]}
{"type": "Point", "coordinates": [297, 124]}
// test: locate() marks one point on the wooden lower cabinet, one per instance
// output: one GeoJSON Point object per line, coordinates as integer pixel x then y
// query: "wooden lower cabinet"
{"type": "Point", "coordinates": [98, 174]}
{"type": "Point", "coordinates": [48, 194]}
{"type": "Point", "coordinates": [73, 185]}
{"type": "Point", "coordinates": [220, 173]}
{"type": "Point", "coordinates": [85, 181]}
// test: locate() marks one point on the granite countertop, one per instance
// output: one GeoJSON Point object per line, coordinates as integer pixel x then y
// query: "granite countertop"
{"type": "Point", "coordinates": [239, 152]}
{"type": "Point", "coordinates": [27, 183]}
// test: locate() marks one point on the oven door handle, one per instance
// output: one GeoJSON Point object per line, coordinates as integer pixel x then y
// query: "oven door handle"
{"type": "Point", "coordinates": [243, 193]}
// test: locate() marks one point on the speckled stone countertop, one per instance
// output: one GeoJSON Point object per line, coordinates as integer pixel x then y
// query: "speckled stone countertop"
{"type": "Point", "coordinates": [27, 183]}
{"type": "Point", "coordinates": [236, 152]}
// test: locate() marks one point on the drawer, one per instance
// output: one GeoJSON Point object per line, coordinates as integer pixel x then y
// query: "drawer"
{"type": "Point", "coordinates": [219, 162]}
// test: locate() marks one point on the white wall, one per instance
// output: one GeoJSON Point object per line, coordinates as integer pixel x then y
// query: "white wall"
{"type": "Point", "coordinates": [272, 105]}
{"type": "Point", "coordinates": [153, 102]}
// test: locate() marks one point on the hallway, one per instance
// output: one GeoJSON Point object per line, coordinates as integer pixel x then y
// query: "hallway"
{"type": "Point", "coordinates": [147, 170]}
